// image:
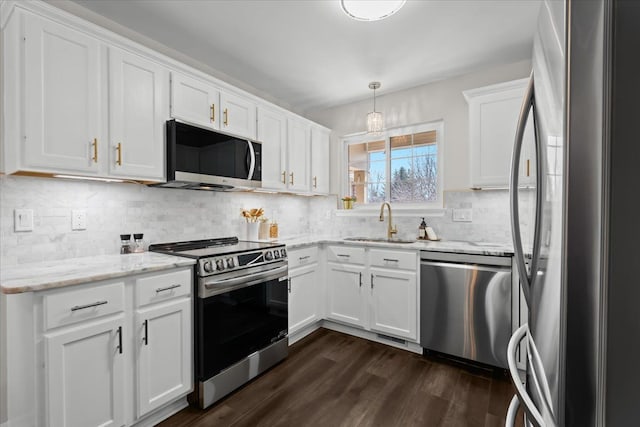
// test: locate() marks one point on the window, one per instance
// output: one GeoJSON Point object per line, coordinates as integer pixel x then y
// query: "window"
{"type": "Point", "coordinates": [401, 166]}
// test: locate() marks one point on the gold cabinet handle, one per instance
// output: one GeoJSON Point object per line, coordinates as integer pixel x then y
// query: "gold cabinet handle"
{"type": "Point", "coordinates": [94, 144]}
{"type": "Point", "coordinates": [213, 113]}
{"type": "Point", "coordinates": [284, 177]}
{"type": "Point", "coordinates": [119, 150]}
{"type": "Point", "coordinates": [291, 178]}
{"type": "Point", "coordinates": [226, 117]}
{"type": "Point", "coordinates": [315, 182]}
{"type": "Point", "coordinates": [528, 166]}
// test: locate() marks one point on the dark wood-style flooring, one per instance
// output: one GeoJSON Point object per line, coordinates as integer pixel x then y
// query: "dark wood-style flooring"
{"type": "Point", "coordinates": [333, 379]}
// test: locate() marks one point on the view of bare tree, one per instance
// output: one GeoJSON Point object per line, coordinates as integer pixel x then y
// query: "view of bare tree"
{"type": "Point", "coordinates": [417, 184]}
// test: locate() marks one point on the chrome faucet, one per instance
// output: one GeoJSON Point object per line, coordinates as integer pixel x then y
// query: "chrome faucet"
{"type": "Point", "coordinates": [391, 229]}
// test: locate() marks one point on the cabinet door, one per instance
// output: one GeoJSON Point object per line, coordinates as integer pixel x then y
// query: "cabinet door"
{"type": "Point", "coordinates": [298, 146]}
{"type": "Point", "coordinates": [346, 294]}
{"type": "Point", "coordinates": [138, 108]}
{"type": "Point", "coordinates": [272, 133]}
{"type": "Point", "coordinates": [394, 302]}
{"type": "Point", "coordinates": [238, 115]}
{"type": "Point", "coordinates": [194, 101]}
{"type": "Point", "coordinates": [62, 107]}
{"type": "Point", "coordinates": [303, 297]}
{"type": "Point", "coordinates": [320, 160]}
{"type": "Point", "coordinates": [164, 357]}
{"type": "Point", "coordinates": [493, 117]}
{"type": "Point", "coordinates": [85, 375]}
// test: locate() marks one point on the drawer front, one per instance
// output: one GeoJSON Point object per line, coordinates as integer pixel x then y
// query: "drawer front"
{"type": "Point", "coordinates": [345, 254]}
{"type": "Point", "coordinates": [303, 256]}
{"type": "Point", "coordinates": [80, 304]}
{"type": "Point", "coordinates": [163, 287]}
{"type": "Point", "coordinates": [394, 259]}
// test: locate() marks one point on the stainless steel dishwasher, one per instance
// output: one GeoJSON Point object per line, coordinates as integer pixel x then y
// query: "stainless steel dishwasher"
{"type": "Point", "coordinates": [465, 305]}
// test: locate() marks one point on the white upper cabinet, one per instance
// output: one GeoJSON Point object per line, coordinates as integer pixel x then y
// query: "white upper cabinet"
{"type": "Point", "coordinates": [138, 109]}
{"type": "Point", "coordinates": [298, 148]}
{"type": "Point", "coordinates": [493, 117]}
{"type": "Point", "coordinates": [272, 133]}
{"type": "Point", "coordinates": [62, 105]}
{"type": "Point", "coordinates": [320, 139]}
{"type": "Point", "coordinates": [194, 101]}
{"type": "Point", "coordinates": [238, 115]}
{"type": "Point", "coordinates": [80, 100]}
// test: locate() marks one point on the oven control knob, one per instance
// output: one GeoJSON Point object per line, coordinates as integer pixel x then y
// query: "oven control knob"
{"type": "Point", "coordinates": [269, 256]}
{"type": "Point", "coordinates": [230, 263]}
{"type": "Point", "coordinates": [276, 254]}
{"type": "Point", "coordinates": [209, 267]}
{"type": "Point", "coordinates": [220, 264]}
{"type": "Point", "coordinates": [283, 253]}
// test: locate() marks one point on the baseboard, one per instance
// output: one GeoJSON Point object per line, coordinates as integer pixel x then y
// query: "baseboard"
{"type": "Point", "coordinates": [161, 414]}
{"type": "Point", "coordinates": [298, 335]}
{"type": "Point", "coordinates": [372, 336]}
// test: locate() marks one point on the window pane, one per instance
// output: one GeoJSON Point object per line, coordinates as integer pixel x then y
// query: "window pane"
{"type": "Point", "coordinates": [414, 168]}
{"type": "Point", "coordinates": [376, 192]}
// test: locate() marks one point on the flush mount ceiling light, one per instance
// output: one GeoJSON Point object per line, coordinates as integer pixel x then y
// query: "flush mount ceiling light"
{"type": "Point", "coordinates": [363, 10]}
{"type": "Point", "coordinates": [374, 118]}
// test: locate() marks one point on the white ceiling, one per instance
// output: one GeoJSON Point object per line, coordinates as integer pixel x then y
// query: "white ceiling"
{"type": "Point", "coordinates": [308, 54]}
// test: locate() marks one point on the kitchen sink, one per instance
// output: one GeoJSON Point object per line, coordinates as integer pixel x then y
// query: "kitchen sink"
{"type": "Point", "coordinates": [377, 240]}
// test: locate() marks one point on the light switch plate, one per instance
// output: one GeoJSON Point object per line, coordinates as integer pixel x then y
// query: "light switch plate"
{"type": "Point", "coordinates": [463, 215]}
{"type": "Point", "coordinates": [78, 219]}
{"type": "Point", "coordinates": [23, 219]}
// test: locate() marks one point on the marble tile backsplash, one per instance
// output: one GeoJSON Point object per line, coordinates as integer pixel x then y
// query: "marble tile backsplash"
{"type": "Point", "coordinates": [165, 215]}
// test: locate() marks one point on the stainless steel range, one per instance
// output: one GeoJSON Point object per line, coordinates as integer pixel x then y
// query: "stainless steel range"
{"type": "Point", "coordinates": [241, 314]}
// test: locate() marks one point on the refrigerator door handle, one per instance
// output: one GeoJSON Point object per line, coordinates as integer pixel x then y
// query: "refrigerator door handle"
{"type": "Point", "coordinates": [512, 412]}
{"type": "Point", "coordinates": [532, 413]}
{"type": "Point", "coordinates": [526, 279]}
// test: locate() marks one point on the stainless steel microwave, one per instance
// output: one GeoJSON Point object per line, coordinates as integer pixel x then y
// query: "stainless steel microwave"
{"type": "Point", "coordinates": [201, 159]}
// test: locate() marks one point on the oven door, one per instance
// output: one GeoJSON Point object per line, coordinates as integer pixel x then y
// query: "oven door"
{"type": "Point", "coordinates": [236, 323]}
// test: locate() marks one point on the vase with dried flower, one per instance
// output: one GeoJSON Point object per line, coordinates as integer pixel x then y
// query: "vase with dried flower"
{"type": "Point", "coordinates": [252, 217]}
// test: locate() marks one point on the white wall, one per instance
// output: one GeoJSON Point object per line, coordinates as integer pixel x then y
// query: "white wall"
{"type": "Point", "coordinates": [441, 100]}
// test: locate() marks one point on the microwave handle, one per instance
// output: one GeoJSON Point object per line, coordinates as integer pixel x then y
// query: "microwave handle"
{"type": "Point", "coordinates": [251, 160]}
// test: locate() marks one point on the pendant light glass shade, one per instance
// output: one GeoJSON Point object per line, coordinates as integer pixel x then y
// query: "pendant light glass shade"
{"type": "Point", "coordinates": [374, 123]}
{"type": "Point", "coordinates": [371, 10]}
{"type": "Point", "coordinates": [374, 118]}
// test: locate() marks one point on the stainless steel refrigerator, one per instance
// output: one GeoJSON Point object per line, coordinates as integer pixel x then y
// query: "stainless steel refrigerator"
{"type": "Point", "coordinates": [579, 271]}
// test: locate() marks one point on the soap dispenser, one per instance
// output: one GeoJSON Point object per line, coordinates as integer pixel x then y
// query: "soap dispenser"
{"type": "Point", "coordinates": [422, 230]}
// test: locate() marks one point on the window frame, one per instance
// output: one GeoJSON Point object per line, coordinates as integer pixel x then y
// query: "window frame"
{"type": "Point", "coordinates": [387, 134]}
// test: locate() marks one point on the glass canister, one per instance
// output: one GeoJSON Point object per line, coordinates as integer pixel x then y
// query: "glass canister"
{"type": "Point", "coordinates": [138, 244]}
{"type": "Point", "coordinates": [273, 230]}
{"type": "Point", "coordinates": [264, 230]}
{"type": "Point", "coordinates": [125, 244]}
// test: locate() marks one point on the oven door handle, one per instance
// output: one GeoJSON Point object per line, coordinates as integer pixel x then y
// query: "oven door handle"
{"type": "Point", "coordinates": [251, 279]}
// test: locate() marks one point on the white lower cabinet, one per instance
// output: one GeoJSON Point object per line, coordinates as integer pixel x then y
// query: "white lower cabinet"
{"type": "Point", "coordinates": [345, 294]}
{"type": "Point", "coordinates": [85, 377]}
{"type": "Point", "coordinates": [111, 343]}
{"type": "Point", "coordinates": [303, 297]}
{"type": "Point", "coordinates": [394, 302]}
{"type": "Point", "coordinates": [304, 288]}
{"type": "Point", "coordinates": [379, 293]}
{"type": "Point", "coordinates": [164, 354]}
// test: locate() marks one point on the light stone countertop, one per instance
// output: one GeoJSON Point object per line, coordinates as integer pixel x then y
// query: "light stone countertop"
{"type": "Point", "coordinates": [452, 246]}
{"type": "Point", "coordinates": [55, 274]}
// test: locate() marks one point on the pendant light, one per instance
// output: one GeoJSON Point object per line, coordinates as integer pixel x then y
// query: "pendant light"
{"type": "Point", "coordinates": [374, 118]}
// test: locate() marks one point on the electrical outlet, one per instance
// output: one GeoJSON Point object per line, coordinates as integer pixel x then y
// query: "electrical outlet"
{"type": "Point", "coordinates": [23, 219]}
{"type": "Point", "coordinates": [78, 219]}
{"type": "Point", "coordinates": [462, 215]}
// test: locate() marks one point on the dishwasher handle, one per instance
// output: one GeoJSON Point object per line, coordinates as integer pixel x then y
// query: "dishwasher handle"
{"type": "Point", "coordinates": [461, 266]}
